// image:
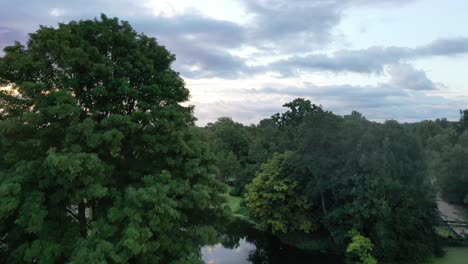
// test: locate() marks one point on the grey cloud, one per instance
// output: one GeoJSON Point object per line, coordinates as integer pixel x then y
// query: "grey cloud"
{"type": "Point", "coordinates": [381, 105]}
{"type": "Point", "coordinates": [284, 25]}
{"type": "Point", "coordinates": [444, 47]}
{"type": "Point", "coordinates": [404, 82]}
{"type": "Point", "coordinates": [204, 45]}
{"type": "Point", "coordinates": [378, 3]}
{"type": "Point", "coordinates": [29, 14]}
{"type": "Point", "coordinates": [25, 16]}
{"type": "Point", "coordinates": [362, 61]}
{"type": "Point", "coordinates": [377, 104]}
{"type": "Point", "coordinates": [306, 23]}
{"type": "Point", "coordinates": [201, 44]}
{"type": "Point", "coordinates": [201, 62]}
{"type": "Point", "coordinates": [349, 95]}
{"type": "Point", "coordinates": [370, 60]}
{"type": "Point", "coordinates": [193, 28]}
{"type": "Point", "coordinates": [405, 76]}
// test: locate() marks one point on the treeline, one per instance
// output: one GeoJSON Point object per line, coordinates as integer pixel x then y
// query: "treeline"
{"type": "Point", "coordinates": [445, 147]}
{"type": "Point", "coordinates": [321, 181]}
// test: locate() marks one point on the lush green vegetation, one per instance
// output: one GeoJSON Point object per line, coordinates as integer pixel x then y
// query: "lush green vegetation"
{"type": "Point", "coordinates": [99, 164]}
{"type": "Point", "coordinates": [234, 202]}
{"type": "Point", "coordinates": [102, 163]}
{"type": "Point", "coordinates": [343, 173]}
{"type": "Point", "coordinates": [324, 174]}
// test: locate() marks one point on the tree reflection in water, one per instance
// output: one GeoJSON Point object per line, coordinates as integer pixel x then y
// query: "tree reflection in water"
{"type": "Point", "coordinates": [243, 244]}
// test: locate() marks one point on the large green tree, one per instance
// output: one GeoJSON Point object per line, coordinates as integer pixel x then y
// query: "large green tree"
{"type": "Point", "coordinates": [98, 164]}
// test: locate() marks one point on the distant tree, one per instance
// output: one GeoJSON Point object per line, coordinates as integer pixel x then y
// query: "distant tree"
{"type": "Point", "coordinates": [425, 130]}
{"type": "Point", "coordinates": [463, 122]}
{"type": "Point", "coordinates": [232, 143]}
{"type": "Point", "coordinates": [229, 168]}
{"type": "Point", "coordinates": [98, 164]}
{"type": "Point", "coordinates": [448, 166]}
{"type": "Point", "coordinates": [231, 137]}
{"type": "Point", "coordinates": [298, 109]}
{"type": "Point", "coordinates": [443, 123]}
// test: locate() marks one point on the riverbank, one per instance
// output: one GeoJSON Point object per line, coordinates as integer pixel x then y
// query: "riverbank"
{"type": "Point", "coordinates": [235, 204]}
{"type": "Point", "coordinates": [454, 255]}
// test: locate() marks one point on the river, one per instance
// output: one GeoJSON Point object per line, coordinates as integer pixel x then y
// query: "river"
{"type": "Point", "coordinates": [244, 244]}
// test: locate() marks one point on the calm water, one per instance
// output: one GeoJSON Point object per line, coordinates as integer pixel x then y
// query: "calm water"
{"type": "Point", "coordinates": [244, 245]}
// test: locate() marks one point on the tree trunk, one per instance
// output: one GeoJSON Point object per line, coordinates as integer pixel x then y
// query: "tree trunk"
{"type": "Point", "coordinates": [324, 207]}
{"type": "Point", "coordinates": [82, 219]}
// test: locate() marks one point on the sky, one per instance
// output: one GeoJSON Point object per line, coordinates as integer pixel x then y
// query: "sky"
{"type": "Point", "coordinates": [388, 59]}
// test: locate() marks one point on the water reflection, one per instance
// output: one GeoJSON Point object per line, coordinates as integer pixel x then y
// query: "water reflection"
{"type": "Point", "coordinates": [243, 244]}
{"type": "Point", "coordinates": [220, 254]}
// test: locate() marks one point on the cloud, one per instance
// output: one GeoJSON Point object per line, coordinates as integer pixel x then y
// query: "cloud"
{"type": "Point", "coordinates": [406, 77]}
{"type": "Point", "coordinates": [344, 96]}
{"type": "Point", "coordinates": [205, 47]}
{"type": "Point", "coordinates": [405, 97]}
{"type": "Point", "coordinates": [25, 16]}
{"type": "Point", "coordinates": [370, 60]}
{"type": "Point", "coordinates": [193, 28]}
{"type": "Point", "coordinates": [284, 25]}
{"type": "Point", "coordinates": [57, 12]}
{"type": "Point", "coordinates": [252, 105]}
{"type": "Point", "coordinates": [292, 24]}
{"type": "Point", "coordinates": [201, 44]}
{"type": "Point", "coordinates": [361, 61]}
{"type": "Point", "coordinates": [197, 61]}
{"type": "Point", "coordinates": [444, 47]}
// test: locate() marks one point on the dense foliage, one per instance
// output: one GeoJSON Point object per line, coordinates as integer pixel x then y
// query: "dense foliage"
{"type": "Point", "coordinates": [98, 164]}
{"type": "Point", "coordinates": [359, 249]}
{"type": "Point", "coordinates": [446, 150]}
{"type": "Point", "coordinates": [234, 149]}
{"type": "Point", "coordinates": [273, 197]}
{"type": "Point", "coordinates": [102, 163]}
{"type": "Point", "coordinates": [336, 174]}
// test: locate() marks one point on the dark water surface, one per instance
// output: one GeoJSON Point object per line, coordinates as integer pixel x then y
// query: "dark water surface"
{"type": "Point", "coordinates": [244, 244]}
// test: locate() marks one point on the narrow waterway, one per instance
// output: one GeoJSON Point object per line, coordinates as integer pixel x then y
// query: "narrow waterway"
{"type": "Point", "coordinates": [244, 244]}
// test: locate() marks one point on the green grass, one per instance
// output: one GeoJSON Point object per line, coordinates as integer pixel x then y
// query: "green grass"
{"type": "Point", "coordinates": [232, 201]}
{"type": "Point", "coordinates": [454, 255]}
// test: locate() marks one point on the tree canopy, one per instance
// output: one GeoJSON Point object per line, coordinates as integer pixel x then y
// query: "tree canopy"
{"type": "Point", "coordinates": [98, 164]}
{"type": "Point", "coordinates": [273, 197]}
{"type": "Point", "coordinates": [352, 174]}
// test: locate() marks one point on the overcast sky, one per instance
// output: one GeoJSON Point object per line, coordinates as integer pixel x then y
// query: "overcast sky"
{"type": "Point", "coordinates": [388, 59]}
